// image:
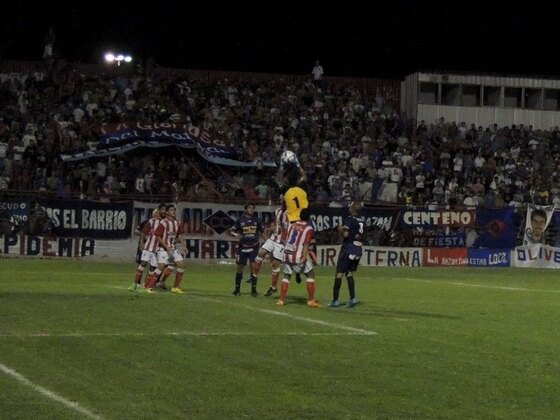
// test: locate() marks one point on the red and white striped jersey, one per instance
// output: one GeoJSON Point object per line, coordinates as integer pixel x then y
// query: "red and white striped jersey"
{"type": "Point", "coordinates": [281, 226]}
{"type": "Point", "coordinates": [169, 230]}
{"type": "Point", "coordinates": [299, 234]}
{"type": "Point", "coordinates": [152, 243]}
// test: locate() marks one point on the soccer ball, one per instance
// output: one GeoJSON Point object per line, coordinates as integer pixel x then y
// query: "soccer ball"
{"type": "Point", "coordinates": [289, 158]}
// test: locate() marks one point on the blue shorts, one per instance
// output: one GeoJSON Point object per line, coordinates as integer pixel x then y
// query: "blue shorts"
{"type": "Point", "coordinates": [245, 255]}
{"type": "Point", "coordinates": [349, 258]}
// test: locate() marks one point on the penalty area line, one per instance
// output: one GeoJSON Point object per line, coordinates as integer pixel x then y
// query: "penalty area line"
{"type": "Point", "coordinates": [357, 331]}
{"type": "Point", "coordinates": [353, 330]}
{"type": "Point", "coordinates": [515, 289]}
{"type": "Point", "coordinates": [483, 286]}
{"type": "Point", "coordinates": [178, 334]}
{"type": "Point", "coordinates": [49, 394]}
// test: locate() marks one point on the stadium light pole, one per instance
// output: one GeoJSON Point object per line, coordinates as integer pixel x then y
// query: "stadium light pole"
{"type": "Point", "coordinates": [110, 58]}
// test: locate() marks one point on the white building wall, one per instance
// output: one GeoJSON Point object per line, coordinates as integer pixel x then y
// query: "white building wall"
{"type": "Point", "coordinates": [482, 115]}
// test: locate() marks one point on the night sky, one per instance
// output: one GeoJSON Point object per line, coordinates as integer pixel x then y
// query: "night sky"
{"type": "Point", "coordinates": [366, 39]}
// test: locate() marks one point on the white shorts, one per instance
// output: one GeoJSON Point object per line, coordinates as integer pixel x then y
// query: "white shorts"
{"type": "Point", "coordinates": [304, 268]}
{"type": "Point", "coordinates": [164, 257]}
{"type": "Point", "coordinates": [274, 248]}
{"type": "Point", "coordinates": [150, 257]}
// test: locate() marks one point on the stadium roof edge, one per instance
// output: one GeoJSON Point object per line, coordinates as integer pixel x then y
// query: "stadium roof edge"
{"type": "Point", "coordinates": [483, 73]}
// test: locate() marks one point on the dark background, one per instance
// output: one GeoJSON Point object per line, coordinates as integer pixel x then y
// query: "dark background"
{"type": "Point", "coordinates": [367, 39]}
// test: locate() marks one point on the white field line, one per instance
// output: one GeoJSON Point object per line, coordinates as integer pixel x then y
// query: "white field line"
{"type": "Point", "coordinates": [484, 286]}
{"type": "Point", "coordinates": [177, 334]}
{"type": "Point", "coordinates": [49, 394]}
{"type": "Point", "coordinates": [355, 331]}
{"type": "Point", "coordinates": [352, 330]}
{"type": "Point", "coordinates": [74, 273]}
{"type": "Point", "coordinates": [318, 321]}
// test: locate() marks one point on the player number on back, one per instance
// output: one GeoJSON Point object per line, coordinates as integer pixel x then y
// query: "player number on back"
{"type": "Point", "coordinates": [293, 237]}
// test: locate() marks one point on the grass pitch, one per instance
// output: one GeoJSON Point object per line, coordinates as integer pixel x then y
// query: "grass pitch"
{"type": "Point", "coordinates": [422, 343]}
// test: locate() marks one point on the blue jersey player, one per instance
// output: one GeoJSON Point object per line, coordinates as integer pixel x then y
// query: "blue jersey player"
{"type": "Point", "coordinates": [248, 228]}
{"type": "Point", "coordinates": [350, 253]}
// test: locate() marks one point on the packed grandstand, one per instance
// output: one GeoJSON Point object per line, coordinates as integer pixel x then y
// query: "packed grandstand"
{"type": "Point", "coordinates": [76, 132]}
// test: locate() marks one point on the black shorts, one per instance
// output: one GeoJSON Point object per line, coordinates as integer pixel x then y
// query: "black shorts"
{"type": "Point", "coordinates": [245, 255]}
{"type": "Point", "coordinates": [348, 259]}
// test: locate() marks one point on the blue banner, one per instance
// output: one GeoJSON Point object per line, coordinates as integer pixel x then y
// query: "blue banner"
{"type": "Point", "coordinates": [16, 211]}
{"type": "Point", "coordinates": [499, 228]}
{"type": "Point", "coordinates": [325, 218]}
{"type": "Point", "coordinates": [91, 219]}
{"type": "Point", "coordinates": [422, 218]}
{"type": "Point", "coordinates": [434, 239]}
{"type": "Point", "coordinates": [375, 188]}
{"type": "Point", "coordinates": [556, 218]}
{"type": "Point", "coordinates": [121, 138]}
{"type": "Point", "coordinates": [489, 257]}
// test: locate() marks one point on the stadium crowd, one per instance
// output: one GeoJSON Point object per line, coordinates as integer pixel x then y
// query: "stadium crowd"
{"type": "Point", "coordinates": [352, 143]}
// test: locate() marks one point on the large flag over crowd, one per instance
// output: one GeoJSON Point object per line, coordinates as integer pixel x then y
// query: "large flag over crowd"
{"type": "Point", "coordinates": [116, 139]}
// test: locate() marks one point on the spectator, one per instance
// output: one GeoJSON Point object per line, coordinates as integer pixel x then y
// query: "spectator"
{"type": "Point", "coordinates": [48, 45]}
{"type": "Point", "coordinates": [317, 73]}
{"type": "Point", "coordinates": [4, 181]}
{"type": "Point", "coordinates": [262, 190]}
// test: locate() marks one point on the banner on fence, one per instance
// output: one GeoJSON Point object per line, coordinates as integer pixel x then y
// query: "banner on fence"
{"type": "Point", "coordinates": [45, 246]}
{"type": "Point", "coordinates": [537, 256]}
{"type": "Point", "coordinates": [374, 256]}
{"type": "Point", "coordinates": [212, 220]}
{"type": "Point", "coordinates": [499, 228]}
{"type": "Point", "coordinates": [489, 257]}
{"type": "Point", "coordinates": [445, 256]}
{"type": "Point", "coordinates": [537, 220]}
{"type": "Point", "coordinates": [206, 220]}
{"type": "Point", "coordinates": [434, 239]}
{"type": "Point", "coordinates": [209, 249]}
{"type": "Point", "coordinates": [325, 218]}
{"type": "Point", "coordinates": [439, 218]}
{"type": "Point", "coordinates": [91, 219]}
{"type": "Point", "coordinates": [14, 210]}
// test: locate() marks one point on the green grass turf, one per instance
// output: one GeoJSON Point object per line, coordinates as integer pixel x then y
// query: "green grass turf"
{"type": "Point", "coordinates": [449, 343]}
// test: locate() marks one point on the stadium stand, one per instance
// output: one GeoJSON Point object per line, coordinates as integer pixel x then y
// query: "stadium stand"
{"type": "Point", "coordinates": [348, 134]}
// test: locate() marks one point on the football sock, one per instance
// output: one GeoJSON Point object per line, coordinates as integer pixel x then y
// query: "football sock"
{"type": "Point", "coordinates": [275, 277]}
{"type": "Point", "coordinates": [151, 282]}
{"type": "Point", "coordinates": [310, 284]}
{"type": "Point", "coordinates": [284, 289]}
{"type": "Point", "coordinates": [238, 277]}
{"type": "Point", "coordinates": [166, 273]}
{"type": "Point", "coordinates": [138, 275]}
{"type": "Point", "coordinates": [254, 280]}
{"type": "Point", "coordinates": [351, 287]}
{"type": "Point", "coordinates": [336, 288]}
{"type": "Point", "coordinates": [257, 265]}
{"type": "Point", "coordinates": [178, 277]}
